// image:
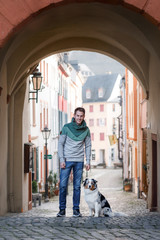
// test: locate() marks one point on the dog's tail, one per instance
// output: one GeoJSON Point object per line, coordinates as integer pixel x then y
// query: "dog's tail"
{"type": "Point", "coordinates": [107, 212]}
{"type": "Point", "coordinates": [115, 214]}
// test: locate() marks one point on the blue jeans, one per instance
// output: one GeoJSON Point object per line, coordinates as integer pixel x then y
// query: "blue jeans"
{"type": "Point", "coordinates": [77, 176]}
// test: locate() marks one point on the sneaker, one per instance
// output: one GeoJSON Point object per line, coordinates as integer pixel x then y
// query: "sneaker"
{"type": "Point", "coordinates": [61, 213]}
{"type": "Point", "coordinates": [76, 213]}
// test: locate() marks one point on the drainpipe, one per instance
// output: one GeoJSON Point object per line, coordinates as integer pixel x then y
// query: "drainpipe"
{"type": "Point", "coordinates": [138, 187]}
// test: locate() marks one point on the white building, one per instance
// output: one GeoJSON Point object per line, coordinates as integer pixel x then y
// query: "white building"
{"type": "Point", "coordinates": [61, 94]}
{"type": "Point", "coordinates": [100, 99]}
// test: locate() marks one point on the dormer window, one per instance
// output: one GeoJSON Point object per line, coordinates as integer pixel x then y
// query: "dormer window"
{"type": "Point", "coordinates": [88, 93]}
{"type": "Point", "coordinates": [100, 93]}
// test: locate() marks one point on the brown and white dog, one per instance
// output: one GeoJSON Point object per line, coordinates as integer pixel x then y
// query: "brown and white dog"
{"type": "Point", "coordinates": [97, 203]}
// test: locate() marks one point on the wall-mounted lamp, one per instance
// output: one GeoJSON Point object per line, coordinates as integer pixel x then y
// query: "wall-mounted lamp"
{"type": "Point", "coordinates": [36, 81]}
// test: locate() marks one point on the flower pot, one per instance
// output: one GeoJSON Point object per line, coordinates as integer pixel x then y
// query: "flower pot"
{"type": "Point", "coordinates": [127, 187]}
{"type": "Point", "coordinates": [56, 192]}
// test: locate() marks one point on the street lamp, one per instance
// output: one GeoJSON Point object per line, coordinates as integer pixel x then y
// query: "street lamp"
{"type": "Point", "coordinates": [46, 133]}
{"type": "Point", "coordinates": [36, 81]}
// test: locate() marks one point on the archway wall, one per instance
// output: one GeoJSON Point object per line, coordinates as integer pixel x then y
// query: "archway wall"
{"type": "Point", "coordinates": [108, 29]}
{"type": "Point", "coordinates": [14, 15]}
{"type": "Point", "coordinates": [153, 119]}
{"type": "Point", "coordinates": [3, 142]}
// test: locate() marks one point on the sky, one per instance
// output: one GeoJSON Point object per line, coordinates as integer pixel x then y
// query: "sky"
{"type": "Point", "coordinates": [98, 63]}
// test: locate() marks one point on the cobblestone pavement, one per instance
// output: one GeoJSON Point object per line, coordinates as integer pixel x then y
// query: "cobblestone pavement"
{"type": "Point", "coordinates": [41, 222]}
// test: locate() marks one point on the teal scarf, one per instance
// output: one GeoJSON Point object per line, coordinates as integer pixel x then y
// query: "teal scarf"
{"type": "Point", "coordinates": [76, 129]}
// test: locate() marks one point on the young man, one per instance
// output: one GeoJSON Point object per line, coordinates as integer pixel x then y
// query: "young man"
{"type": "Point", "coordinates": [73, 138]}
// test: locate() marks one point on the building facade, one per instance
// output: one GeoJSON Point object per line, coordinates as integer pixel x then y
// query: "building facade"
{"type": "Point", "coordinates": [102, 109]}
{"type": "Point", "coordinates": [135, 163]}
{"type": "Point", "coordinates": [60, 95]}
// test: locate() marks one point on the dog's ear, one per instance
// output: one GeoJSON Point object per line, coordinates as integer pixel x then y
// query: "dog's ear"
{"type": "Point", "coordinates": [95, 181]}
{"type": "Point", "coordinates": [85, 181]}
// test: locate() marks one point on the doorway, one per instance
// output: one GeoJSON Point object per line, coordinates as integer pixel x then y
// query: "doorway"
{"type": "Point", "coordinates": [154, 173]}
{"type": "Point", "coordinates": [102, 155]}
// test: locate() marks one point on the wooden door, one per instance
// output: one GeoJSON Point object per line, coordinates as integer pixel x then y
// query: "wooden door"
{"type": "Point", "coordinates": [154, 173]}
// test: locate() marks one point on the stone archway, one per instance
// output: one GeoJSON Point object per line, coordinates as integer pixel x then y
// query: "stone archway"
{"type": "Point", "coordinates": [14, 15]}
{"type": "Point", "coordinates": [109, 29]}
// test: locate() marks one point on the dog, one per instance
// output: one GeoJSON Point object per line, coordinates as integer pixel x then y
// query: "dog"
{"type": "Point", "coordinates": [97, 203]}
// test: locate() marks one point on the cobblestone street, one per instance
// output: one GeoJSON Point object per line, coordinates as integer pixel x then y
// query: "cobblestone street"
{"type": "Point", "coordinates": [41, 222]}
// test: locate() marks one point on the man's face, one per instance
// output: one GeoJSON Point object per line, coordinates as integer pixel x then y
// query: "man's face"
{"type": "Point", "coordinates": [79, 117]}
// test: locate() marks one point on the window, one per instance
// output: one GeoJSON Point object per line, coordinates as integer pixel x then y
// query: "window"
{"type": "Point", "coordinates": [35, 163]}
{"type": "Point", "coordinates": [91, 122]}
{"type": "Point", "coordinates": [40, 110]}
{"type": "Point", "coordinates": [100, 92]}
{"type": "Point", "coordinates": [44, 72]}
{"type": "Point", "coordinates": [88, 93]}
{"type": "Point", "coordinates": [102, 122]}
{"type": "Point", "coordinates": [92, 136]}
{"type": "Point", "coordinates": [47, 74]}
{"type": "Point", "coordinates": [114, 125]}
{"type": "Point", "coordinates": [44, 118]}
{"type": "Point", "coordinates": [101, 107]}
{"type": "Point", "coordinates": [47, 116]}
{"type": "Point", "coordinates": [113, 107]}
{"type": "Point", "coordinates": [41, 167]}
{"type": "Point", "coordinates": [40, 121]}
{"type": "Point", "coordinates": [34, 111]}
{"type": "Point", "coordinates": [91, 108]}
{"type": "Point", "coordinates": [93, 155]}
{"type": "Point", "coordinates": [101, 136]}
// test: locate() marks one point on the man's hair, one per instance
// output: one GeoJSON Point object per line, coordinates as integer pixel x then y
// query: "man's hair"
{"type": "Point", "coordinates": [81, 109]}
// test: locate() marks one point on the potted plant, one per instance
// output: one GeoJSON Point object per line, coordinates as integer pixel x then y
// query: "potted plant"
{"type": "Point", "coordinates": [50, 184]}
{"type": "Point", "coordinates": [50, 179]}
{"type": "Point", "coordinates": [127, 184]}
{"type": "Point", "coordinates": [55, 181]}
{"type": "Point", "coordinates": [34, 186]}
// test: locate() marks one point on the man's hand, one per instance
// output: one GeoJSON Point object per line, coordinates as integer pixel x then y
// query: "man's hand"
{"type": "Point", "coordinates": [87, 167]}
{"type": "Point", "coordinates": [63, 165]}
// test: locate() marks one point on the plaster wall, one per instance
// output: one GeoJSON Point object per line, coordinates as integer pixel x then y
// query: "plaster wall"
{"type": "Point", "coordinates": [87, 27]}
{"type": "Point", "coordinates": [154, 120]}
{"type": "Point", "coordinates": [18, 168]}
{"type": "Point", "coordinates": [111, 30]}
{"type": "Point", "coordinates": [25, 133]}
{"type": "Point", "coordinates": [15, 169]}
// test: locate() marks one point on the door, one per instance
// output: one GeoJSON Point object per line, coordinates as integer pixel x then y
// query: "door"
{"type": "Point", "coordinates": [102, 156]}
{"type": "Point", "coordinates": [144, 163]}
{"type": "Point", "coordinates": [154, 173]}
